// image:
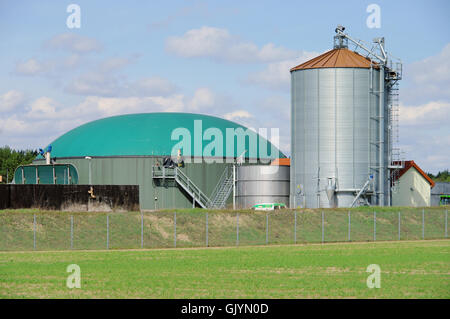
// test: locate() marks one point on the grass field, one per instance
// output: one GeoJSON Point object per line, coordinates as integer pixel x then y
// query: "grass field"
{"type": "Point", "coordinates": [414, 269]}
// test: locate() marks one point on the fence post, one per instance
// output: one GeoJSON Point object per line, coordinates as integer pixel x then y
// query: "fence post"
{"type": "Point", "coordinates": [374, 225]}
{"type": "Point", "coordinates": [349, 226]}
{"type": "Point", "coordinates": [423, 223]}
{"type": "Point", "coordinates": [237, 229]}
{"type": "Point", "coordinates": [34, 231]}
{"type": "Point", "coordinates": [323, 225]}
{"type": "Point", "coordinates": [175, 229]}
{"type": "Point", "coordinates": [267, 228]}
{"type": "Point", "coordinates": [446, 213]}
{"type": "Point", "coordinates": [399, 221]}
{"type": "Point", "coordinates": [71, 232]}
{"type": "Point", "coordinates": [142, 229]}
{"type": "Point", "coordinates": [107, 231]}
{"type": "Point", "coordinates": [206, 229]}
{"type": "Point", "coordinates": [295, 227]}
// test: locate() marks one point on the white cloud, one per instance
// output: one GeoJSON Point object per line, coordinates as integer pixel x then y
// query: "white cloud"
{"type": "Point", "coordinates": [432, 114]}
{"type": "Point", "coordinates": [106, 79]}
{"type": "Point", "coordinates": [58, 66]}
{"type": "Point", "coordinates": [203, 98]}
{"type": "Point", "coordinates": [432, 69]}
{"type": "Point", "coordinates": [114, 106]}
{"type": "Point", "coordinates": [220, 45]}
{"type": "Point", "coordinates": [206, 41]}
{"type": "Point", "coordinates": [429, 147]}
{"type": "Point", "coordinates": [11, 100]}
{"type": "Point", "coordinates": [95, 83]}
{"type": "Point", "coordinates": [104, 106]}
{"type": "Point", "coordinates": [48, 67]}
{"type": "Point", "coordinates": [42, 108]}
{"type": "Point", "coordinates": [72, 61]}
{"type": "Point", "coordinates": [276, 75]}
{"type": "Point", "coordinates": [271, 53]}
{"type": "Point", "coordinates": [425, 134]}
{"type": "Point", "coordinates": [196, 8]}
{"type": "Point", "coordinates": [46, 119]}
{"type": "Point", "coordinates": [240, 114]}
{"type": "Point", "coordinates": [107, 84]}
{"type": "Point", "coordinates": [30, 67]}
{"type": "Point", "coordinates": [116, 63]}
{"type": "Point", "coordinates": [74, 43]}
{"type": "Point", "coordinates": [425, 112]}
{"type": "Point", "coordinates": [430, 78]}
{"type": "Point", "coordinates": [152, 86]}
{"type": "Point", "coordinates": [12, 124]}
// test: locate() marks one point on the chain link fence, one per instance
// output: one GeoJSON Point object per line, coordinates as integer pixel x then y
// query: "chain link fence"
{"type": "Point", "coordinates": [134, 230]}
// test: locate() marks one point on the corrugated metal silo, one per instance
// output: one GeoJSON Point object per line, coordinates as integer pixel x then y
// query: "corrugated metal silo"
{"type": "Point", "coordinates": [338, 133]}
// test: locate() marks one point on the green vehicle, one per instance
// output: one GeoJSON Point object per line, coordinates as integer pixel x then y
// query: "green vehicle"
{"type": "Point", "coordinates": [445, 200]}
{"type": "Point", "coordinates": [269, 206]}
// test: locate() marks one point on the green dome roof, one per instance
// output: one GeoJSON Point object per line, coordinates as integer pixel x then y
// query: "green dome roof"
{"type": "Point", "coordinates": [148, 134]}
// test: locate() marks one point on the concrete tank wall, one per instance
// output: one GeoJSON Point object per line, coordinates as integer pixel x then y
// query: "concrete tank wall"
{"type": "Point", "coordinates": [335, 134]}
{"type": "Point", "coordinates": [262, 184]}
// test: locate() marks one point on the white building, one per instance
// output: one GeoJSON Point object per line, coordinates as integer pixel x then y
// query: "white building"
{"type": "Point", "coordinates": [414, 187]}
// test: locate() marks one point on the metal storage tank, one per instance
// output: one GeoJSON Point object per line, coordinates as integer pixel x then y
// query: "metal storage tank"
{"type": "Point", "coordinates": [262, 184]}
{"type": "Point", "coordinates": [339, 136]}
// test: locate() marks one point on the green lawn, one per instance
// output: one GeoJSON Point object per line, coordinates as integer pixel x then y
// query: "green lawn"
{"type": "Point", "coordinates": [409, 269]}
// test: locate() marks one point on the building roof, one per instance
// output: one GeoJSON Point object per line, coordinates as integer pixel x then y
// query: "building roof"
{"type": "Point", "coordinates": [281, 162]}
{"type": "Point", "coordinates": [337, 58]}
{"type": "Point", "coordinates": [408, 165]}
{"type": "Point", "coordinates": [441, 188]}
{"type": "Point", "coordinates": [148, 134]}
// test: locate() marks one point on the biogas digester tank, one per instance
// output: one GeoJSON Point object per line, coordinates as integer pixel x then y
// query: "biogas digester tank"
{"type": "Point", "coordinates": [336, 135]}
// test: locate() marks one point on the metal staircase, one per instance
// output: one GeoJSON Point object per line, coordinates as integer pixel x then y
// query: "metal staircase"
{"type": "Point", "coordinates": [219, 195]}
{"type": "Point", "coordinates": [223, 189]}
{"type": "Point", "coordinates": [184, 181]}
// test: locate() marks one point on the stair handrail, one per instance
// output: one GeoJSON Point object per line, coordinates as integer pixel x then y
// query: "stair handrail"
{"type": "Point", "coordinates": [219, 184]}
{"type": "Point", "coordinates": [221, 190]}
{"type": "Point", "coordinates": [194, 189]}
{"type": "Point", "coordinates": [225, 196]}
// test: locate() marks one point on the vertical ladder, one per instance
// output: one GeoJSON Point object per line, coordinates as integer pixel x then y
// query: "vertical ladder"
{"type": "Point", "coordinates": [374, 122]}
{"type": "Point", "coordinates": [394, 75]}
{"type": "Point", "coordinates": [395, 161]}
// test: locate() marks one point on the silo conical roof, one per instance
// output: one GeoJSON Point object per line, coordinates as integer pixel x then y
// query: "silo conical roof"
{"type": "Point", "coordinates": [337, 58]}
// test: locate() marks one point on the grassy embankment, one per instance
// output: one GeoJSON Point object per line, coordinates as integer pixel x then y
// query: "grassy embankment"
{"type": "Point", "coordinates": [89, 229]}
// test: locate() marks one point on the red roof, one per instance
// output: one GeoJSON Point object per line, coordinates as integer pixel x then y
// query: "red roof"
{"type": "Point", "coordinates": [281, 162]}
{"type": "Point", "coordinates": [337, 58]}
{"type": "Point", "coordinates": [408, 165]}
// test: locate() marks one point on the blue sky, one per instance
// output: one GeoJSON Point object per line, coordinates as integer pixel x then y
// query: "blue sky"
{"type": "Point", "coordinates": [225, 58]}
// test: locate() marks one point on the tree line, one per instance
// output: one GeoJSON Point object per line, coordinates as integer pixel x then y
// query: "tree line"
{"type": "Point", "coordinates": [10, 159]}
{"type": "Point", "coordinates": [443, 176]}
